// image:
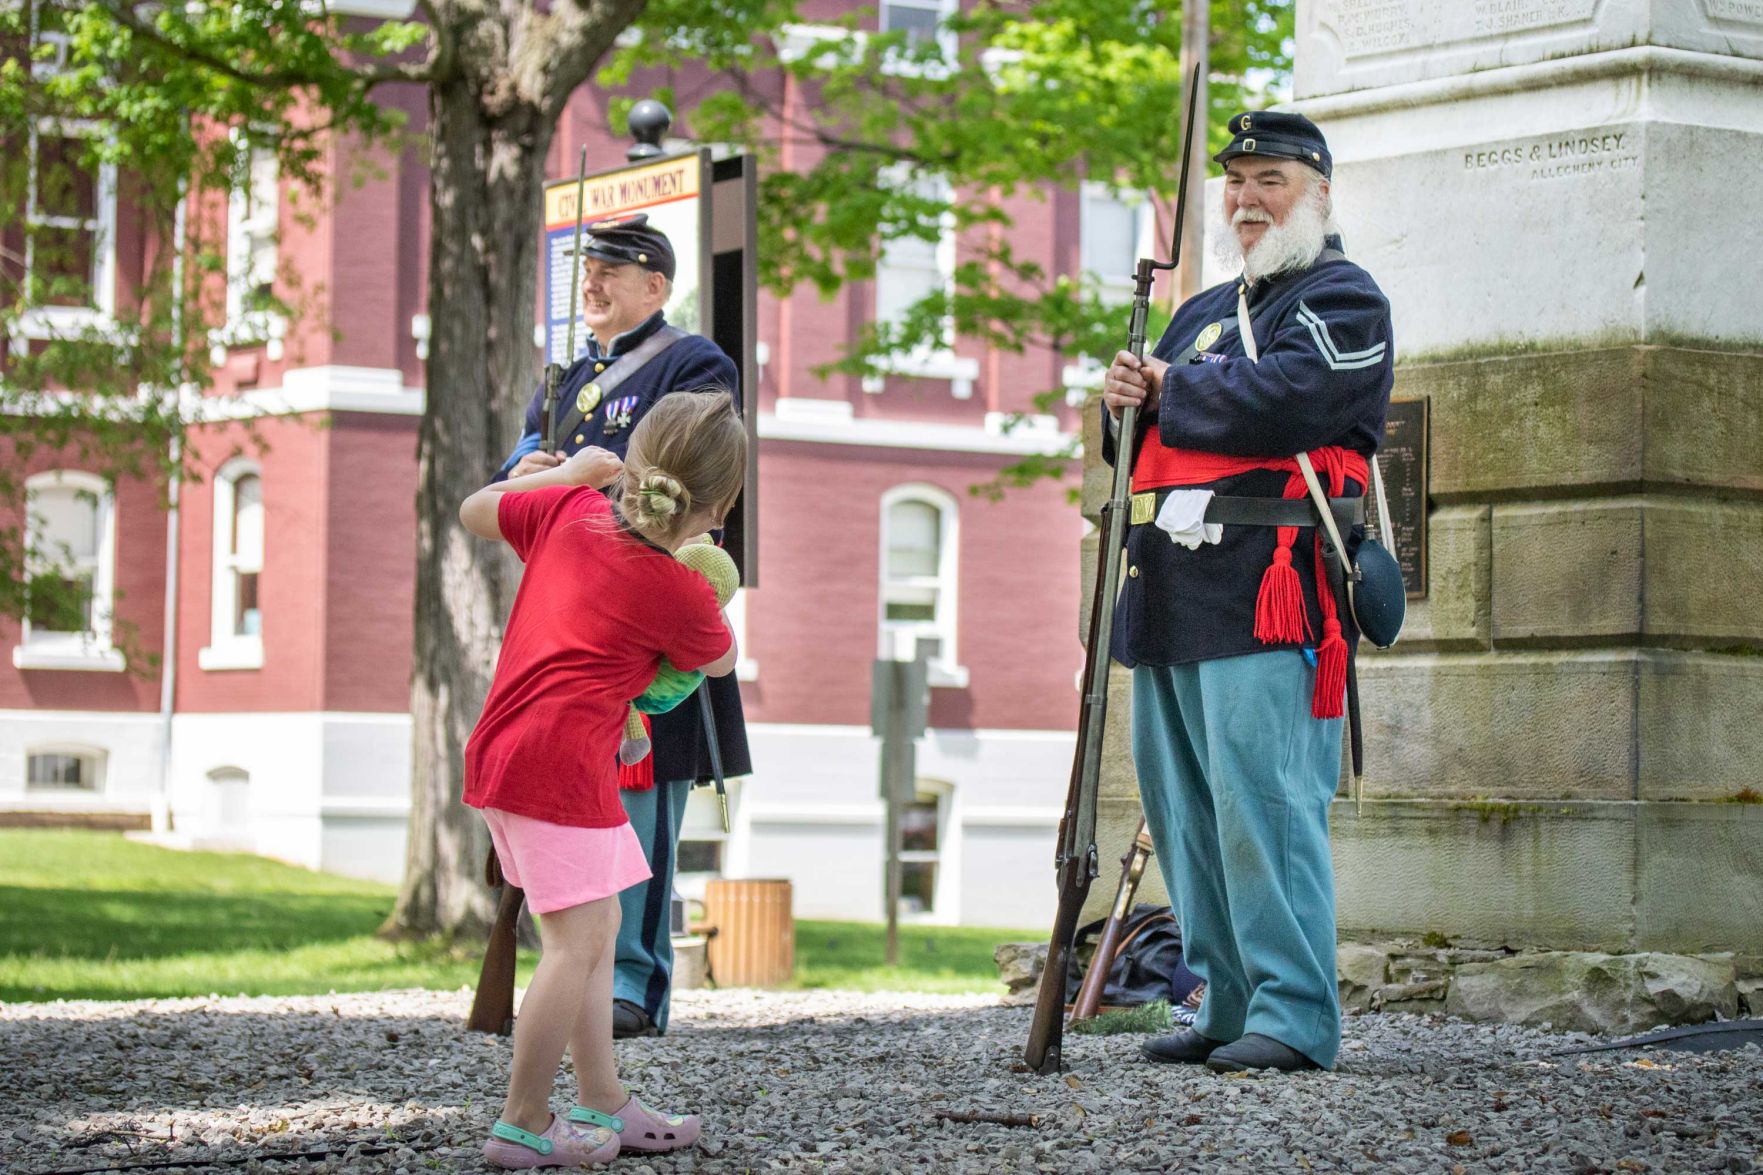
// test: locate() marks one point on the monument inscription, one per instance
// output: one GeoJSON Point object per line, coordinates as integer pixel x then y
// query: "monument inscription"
{"type": "Point", "coordinates": [1404, 463]}
{"type": "Point", "coordinates": [1744, 11]}
{"type": "Point", "coordinates": [1370, 27]}
{"type": "Point", "coordinates": [1557, 156]}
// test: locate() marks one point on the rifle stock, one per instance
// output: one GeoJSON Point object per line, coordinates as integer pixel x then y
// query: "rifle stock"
{"type": "Point", "coordinates": [1132, 868]}
{"type": "Point", "coordinates": [492, 1008]}
{"type": "Point", "coordinates": [1075, 861]}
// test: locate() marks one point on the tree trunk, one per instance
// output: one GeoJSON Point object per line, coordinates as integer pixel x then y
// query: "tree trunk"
{"type": "Point", "coordinates": [483, 252]}
{"type": "Point", "coordinates": [511, 68]}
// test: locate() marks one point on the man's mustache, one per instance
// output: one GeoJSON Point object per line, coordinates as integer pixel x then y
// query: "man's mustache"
{"type": "Point", "coordinates": [1250, 216]}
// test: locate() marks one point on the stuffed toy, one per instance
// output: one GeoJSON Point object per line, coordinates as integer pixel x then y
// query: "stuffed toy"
{"type": "Point", "coordinates": [672, 686]}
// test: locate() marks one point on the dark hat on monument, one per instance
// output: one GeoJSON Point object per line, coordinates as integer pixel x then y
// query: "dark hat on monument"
{"type": "Point", "coordinates": [1279, 135]}
{"type": "Point", "coordinates": [629, 240]}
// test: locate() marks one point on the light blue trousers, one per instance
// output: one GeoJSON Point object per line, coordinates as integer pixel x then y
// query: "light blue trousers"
{"type": "Point", "coordinates": [644, 970]}
{"type": "Point", "coordinates": [1236, 779]}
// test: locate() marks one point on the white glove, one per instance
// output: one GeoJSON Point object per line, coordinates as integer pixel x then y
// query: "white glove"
{"type": "Point", "coordinates": [1183, 516]}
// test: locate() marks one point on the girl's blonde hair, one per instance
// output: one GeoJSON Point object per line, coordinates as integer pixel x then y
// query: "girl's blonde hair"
{"type": "Point", "coordinates": [688, 453]}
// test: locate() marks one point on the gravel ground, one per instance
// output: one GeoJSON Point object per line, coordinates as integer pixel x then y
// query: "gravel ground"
{"type": "Point", "coordinates": [838, 1081]}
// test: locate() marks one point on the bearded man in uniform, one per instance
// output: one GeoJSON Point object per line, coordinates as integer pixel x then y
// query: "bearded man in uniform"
{"type": "Point", "coordinates": [1238, 645]}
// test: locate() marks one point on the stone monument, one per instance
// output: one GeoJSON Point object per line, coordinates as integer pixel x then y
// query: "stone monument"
{"type": "Point", "coordinates": [1561, 199]}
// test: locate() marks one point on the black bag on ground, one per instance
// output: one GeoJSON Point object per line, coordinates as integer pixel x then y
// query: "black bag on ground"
{"type": "Point", "coordinates": [1147, 967]}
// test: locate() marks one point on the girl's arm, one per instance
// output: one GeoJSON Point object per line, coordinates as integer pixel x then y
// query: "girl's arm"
{"type": "Point", "coordinates": [725, 664]}
{"type": "Point", "coordinates": [592, 466]}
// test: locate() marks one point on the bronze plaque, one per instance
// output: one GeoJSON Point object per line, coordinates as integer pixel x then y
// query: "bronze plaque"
{"type": "Point", "coordinates": [1403, 461]}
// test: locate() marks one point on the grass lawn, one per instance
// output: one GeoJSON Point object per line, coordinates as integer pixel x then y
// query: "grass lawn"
{"type": "Point", "coordinates": [86, 915]}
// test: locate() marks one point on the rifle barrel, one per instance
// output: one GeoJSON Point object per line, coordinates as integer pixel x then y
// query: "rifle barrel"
{"type": "Point", "coordinates": [1075, 862]}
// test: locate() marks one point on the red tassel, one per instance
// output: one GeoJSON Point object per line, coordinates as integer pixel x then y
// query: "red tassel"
{"type": "Point", "coordinates": [1279, 609]}
{"type": "Point", "coordinates": [638, 776]}
{"type": "Point", "coordinates": [1328, 700]}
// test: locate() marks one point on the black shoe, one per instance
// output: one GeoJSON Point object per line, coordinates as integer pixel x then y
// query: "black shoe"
{"type": "Point", "coordinates": [630, 1020]}
{"type": "Point", "coordinates": [1255, 1051]}
{"type": "Point", "coordinates": [1184, 1046]}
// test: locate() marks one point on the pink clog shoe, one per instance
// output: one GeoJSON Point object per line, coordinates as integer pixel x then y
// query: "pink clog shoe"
{"type": "Point", "coordinates": [642, 1129]}
{"type": "Point", "coordinates": [565, 1143]}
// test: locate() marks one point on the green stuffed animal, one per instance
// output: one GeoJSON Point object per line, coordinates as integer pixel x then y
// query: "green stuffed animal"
{"type": "Point", "coordinates": [673, 686]}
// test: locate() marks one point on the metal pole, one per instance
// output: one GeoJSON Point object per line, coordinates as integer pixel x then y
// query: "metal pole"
{"type": "Point", "coordinates": [1195, 54]}
{"type": "Point", "coordinates": [894, 747]}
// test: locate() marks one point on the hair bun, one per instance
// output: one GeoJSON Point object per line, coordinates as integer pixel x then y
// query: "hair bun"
{"type": "Point", "coordinates": [660, 497]}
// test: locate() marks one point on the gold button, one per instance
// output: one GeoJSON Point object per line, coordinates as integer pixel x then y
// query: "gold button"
{"type": "Point", "coordinates": [598, 368]}
{"type": "Point", "coordinates": [1133, 572]}
{"type": "Point", "coordinates": [579, 438]}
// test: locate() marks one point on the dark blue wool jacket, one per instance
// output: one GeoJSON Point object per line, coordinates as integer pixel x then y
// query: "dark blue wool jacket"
{"type": "Point", "coordinates": [1324, 377]}
{"type": "Point", "coordinates": [692, 364]}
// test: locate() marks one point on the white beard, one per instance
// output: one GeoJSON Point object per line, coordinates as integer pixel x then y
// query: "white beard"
{"type": "Point", "coordinates": [1294, 245]}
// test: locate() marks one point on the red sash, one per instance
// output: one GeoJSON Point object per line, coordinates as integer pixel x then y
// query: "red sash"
{"type": "Point", "coordinates": [1279, 607]}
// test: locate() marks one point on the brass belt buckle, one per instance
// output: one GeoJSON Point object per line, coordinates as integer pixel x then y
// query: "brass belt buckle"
{"type": "Point", "coordinates": [1144, 508]}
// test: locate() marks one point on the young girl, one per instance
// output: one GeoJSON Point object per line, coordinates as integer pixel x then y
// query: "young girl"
{"type": "Point", "coordinates": [601, 602]}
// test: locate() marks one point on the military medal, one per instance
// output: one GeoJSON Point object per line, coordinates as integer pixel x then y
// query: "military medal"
{"type": "Point", "coordinates": [618, 414]}
{"type": "Point", "coordinates": [588, 399]}
{"type": "Point", "coordinates": [1208, 336]}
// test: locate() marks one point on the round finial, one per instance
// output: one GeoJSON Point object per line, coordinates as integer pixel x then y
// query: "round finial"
{"type": "Point", "coordinates": [649, 121]}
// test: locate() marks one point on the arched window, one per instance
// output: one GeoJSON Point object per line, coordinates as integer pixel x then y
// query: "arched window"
{"type": "Point", "coordinates": [919, 579]}
{"type": "Point", "coordinates": [236, 624]}
{"type": "Point", "coordinates": [70, 559]}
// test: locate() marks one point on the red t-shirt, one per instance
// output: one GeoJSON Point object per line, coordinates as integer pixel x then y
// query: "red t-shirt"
{"type": "Point", "coordinates": [596, 611]}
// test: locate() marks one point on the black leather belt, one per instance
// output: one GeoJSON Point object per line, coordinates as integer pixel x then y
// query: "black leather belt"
{"type": "Point", "coordinates": [1241, 511]}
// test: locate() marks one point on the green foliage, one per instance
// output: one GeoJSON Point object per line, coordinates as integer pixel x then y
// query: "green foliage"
{"type": "Point", "coordinates": [884, 139]}
{"type": "Point", "coordinates": [892, 139]}
{"type": "Point", "coordinates": [1151, 1017]}
{"type": "Point", "coordinates": [157, 108]}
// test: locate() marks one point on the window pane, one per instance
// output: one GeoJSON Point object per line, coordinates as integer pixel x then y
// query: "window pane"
{"type": "Point", "coordinates": [66, 523]}
{"type": "Point", "coordinates": [260, 200]}
{"type": "Point", "coordinates": [899, 287]}
{"type": "Point", "coordinates": [248, 521]}
{"type": "Point", "coordinates": [247, 620]}
{"type": "Point", "coordinates": [1109, 238]}
{"type": "Point", "coordinates": [899, 610]}
{"type": "Point", "coordinates": [918, 826]}
{"type": "Point", "coordinates": [59, 601]}
{"type": "Point", "coordinates": [700, 856]}
{"type": "Point", "coordinates": [61, 265]}
{"type": "Point", "coordinates": [65, 186]}
{"type": "Point", "coordinates": [918, 23]}
{"type": "Point", "coordinates": [913, 540]}
{"type": "Point", "coordinates": [918, 886]}
{"type": "Point", "coordinates": [60, 770]}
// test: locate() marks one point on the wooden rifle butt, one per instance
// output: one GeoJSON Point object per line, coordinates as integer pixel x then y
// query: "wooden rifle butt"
{"type": "Point", "coordinates": [492, 1008]}
{"type": "Point", "coordinates": [1046, 1033]}
{"type": "Point", "coordinates": [1132, 870]}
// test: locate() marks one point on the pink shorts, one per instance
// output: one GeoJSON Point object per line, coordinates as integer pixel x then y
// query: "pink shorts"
{"type": "Point", "coordinates": [560, 865]}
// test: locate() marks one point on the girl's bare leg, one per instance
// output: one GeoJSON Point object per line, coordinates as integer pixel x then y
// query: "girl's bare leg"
{"type": "Point", "coordinates": [574, 943]}
{"type": "Point", "coordinates": [590, 1045]}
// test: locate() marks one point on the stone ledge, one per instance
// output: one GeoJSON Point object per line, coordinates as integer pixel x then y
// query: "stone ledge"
{"type": "Point", "coordinates": [1565, 991]}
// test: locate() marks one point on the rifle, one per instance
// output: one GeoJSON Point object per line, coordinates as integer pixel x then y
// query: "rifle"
{"type": "Point", "coordinates": [492, 1008]}
{"type": "Point", "coordinates": [554, 370]}
{"type": "Point", "coordinates": [1075, 860]}
{"type": "Point", "coordinates": [1132, 867]}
